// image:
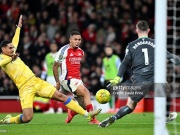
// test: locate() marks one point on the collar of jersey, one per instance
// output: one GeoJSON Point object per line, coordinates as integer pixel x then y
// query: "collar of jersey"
{"type": "Point", "coordinates": [144, 37]}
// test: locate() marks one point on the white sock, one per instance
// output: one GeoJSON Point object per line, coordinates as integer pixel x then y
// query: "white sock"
{"type": "Point", "coordinates": [86, 114]}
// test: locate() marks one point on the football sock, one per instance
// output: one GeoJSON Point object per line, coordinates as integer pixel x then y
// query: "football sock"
{"type": "Point", "coordinates": [122, 112]}
{"type": "Point", "coordinates": [89, 107]}
{"type": "Point", "coordinates": [168, 105]}
{"type": "Point", "coordinates": [72, 105]}
{"type": "Point", "coordinates": [17, 119]}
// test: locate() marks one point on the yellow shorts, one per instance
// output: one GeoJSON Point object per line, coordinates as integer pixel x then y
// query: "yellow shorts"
{"type": "Point", "coordinates": [35, 87]}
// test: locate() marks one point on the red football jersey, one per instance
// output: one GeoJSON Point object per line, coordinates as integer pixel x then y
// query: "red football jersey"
{"type": "Point", "coordinates": [70, 60]}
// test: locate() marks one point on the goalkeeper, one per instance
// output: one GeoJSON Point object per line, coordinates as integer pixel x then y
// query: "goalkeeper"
{"type": "Point", "coordinates": [140, 56]}
{"type": "Point", "coordinates": [29, 85]}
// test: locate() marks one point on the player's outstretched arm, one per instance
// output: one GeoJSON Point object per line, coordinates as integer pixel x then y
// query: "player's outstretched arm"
{"type": "Point", "coordinates": [15, 39]}
{"type": "Point", "coordinates": [121, 72]}
{"type": "Point", "coordinates": [56, 74]}
{"type": "Point", "coordinates": [173, 58]}
{"type": "Point", "coordinates": [124, 65]}
{"type": "Point", "coordinates": [20, 21]}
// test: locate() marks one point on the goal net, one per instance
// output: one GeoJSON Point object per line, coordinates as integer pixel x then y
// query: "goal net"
{"type": "Point", "coordinates": [173, 71]}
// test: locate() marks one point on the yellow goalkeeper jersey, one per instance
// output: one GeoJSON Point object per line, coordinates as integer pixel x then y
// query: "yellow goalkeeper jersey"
{"type": "Point", "coordinates": [17, 69]}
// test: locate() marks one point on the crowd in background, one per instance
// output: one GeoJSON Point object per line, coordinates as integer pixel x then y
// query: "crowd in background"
{"type": "Point", "coordinates": [101, 23]}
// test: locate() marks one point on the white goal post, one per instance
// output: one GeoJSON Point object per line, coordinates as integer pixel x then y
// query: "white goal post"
{"type": "Point", "coordinates": [160, 66]}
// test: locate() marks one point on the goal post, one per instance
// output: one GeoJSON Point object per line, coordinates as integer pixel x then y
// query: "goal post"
{"type": "Point", "coordinates": [160, 67]}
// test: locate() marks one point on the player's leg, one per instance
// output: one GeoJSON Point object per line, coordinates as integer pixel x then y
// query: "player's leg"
{"type": "Point", "coordinates": [69, 86]}
{"type": "Point", "coordinates": [26, 98]}
{"type": "Point", "coordinates": [84, 93]}
{"type": "Point", "coordinates": [81, 94]}
{"type": "Point", "coordinates": [131, 105]}
{"type": "Point", "coordinates": [12, 120]}
{"type": "Point", "coordinates": [170, 116]}
{"type": "Point", "coordinates": [168, 99]}
{"type": "Point", "coordinates": [85, 100]}
{"type": "Point", "coordinates": [21, 118]}
{"type": "Point", "coordinates": [80, 100]}
{"type": "Point", "coordinates": [124, 110]}
{"type": "Point", "coordinates": [71, 113]}
{"type": "Point", "coordinates": [68, 102]}
{"type": "Point", "coordinates": [76, 86]}
{"type": "Point", "coordinates": [72, 105]}
{"type": "Point", "coordinates": [48, 91]}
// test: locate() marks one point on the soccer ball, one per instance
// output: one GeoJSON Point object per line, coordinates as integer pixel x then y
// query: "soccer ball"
{"type": "Point", "coordinates": [103, 96]}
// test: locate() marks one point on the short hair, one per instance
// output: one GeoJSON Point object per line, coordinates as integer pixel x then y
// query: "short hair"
{"type": "Point", "coordinates": [109, 46]}
{"type": "Point", "coordinates": [53, 42]}
{"type": "Point", "coordinates": [142, 25]}
{"type": "Point", "coordinates": [3, 44]}
{"type": "Point", "coordinates": [74, 33]}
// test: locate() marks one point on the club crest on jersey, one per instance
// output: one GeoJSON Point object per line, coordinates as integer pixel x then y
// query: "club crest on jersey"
{"type": "Point", "coordinates": [60, 57]}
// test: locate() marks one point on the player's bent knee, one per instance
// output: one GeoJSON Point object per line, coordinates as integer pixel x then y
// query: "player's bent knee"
{"type": "Point", "coordinates": [27, 118]}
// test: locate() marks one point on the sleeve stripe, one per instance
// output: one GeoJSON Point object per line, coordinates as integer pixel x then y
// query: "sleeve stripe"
{"type": "Point", "coordinates": [63, 49]}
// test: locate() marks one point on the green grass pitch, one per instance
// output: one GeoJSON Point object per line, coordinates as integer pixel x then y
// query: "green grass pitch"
{"type": "Point", "coordinates": [53, 124]}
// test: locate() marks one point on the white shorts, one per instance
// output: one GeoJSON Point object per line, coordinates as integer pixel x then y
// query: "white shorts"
{"type": "Point", "coordinates": [71, 85]}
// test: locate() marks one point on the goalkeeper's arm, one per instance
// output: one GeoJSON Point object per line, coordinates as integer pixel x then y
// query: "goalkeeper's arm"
{"type": "Point", "coordinates": [125, 63]}
{"type": "Point", "coordinates": [122, 69]}
{"type": "Point", "coordinates": [173, 58]}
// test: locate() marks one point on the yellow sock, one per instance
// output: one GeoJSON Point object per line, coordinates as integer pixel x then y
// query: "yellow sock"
{"type": "Point", "coordinates": [15, 119]}
{"type": "Point", "coordinates": [72, 105]}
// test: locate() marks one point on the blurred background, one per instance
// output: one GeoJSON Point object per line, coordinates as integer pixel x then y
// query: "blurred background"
{"type": "Point", "coordinates": [101, 23]}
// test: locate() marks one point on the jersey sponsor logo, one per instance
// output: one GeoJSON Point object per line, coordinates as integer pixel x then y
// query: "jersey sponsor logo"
{"type": "Point", "coordinates": [71, 54]}
{"type": "Point", "coordinates": [75, 60]}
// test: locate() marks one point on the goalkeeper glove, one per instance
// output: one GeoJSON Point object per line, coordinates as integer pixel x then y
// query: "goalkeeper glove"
{"type": "Point", "coordinates": [115, 81]}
